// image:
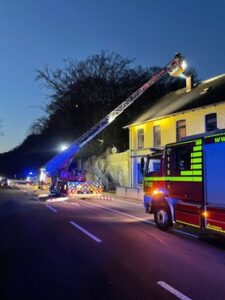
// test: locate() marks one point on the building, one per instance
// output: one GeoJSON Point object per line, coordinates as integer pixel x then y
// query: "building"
{"type": "Point", "coordinates": [188, 111]}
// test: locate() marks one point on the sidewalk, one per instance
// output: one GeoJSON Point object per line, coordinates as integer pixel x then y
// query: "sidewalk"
{"type": "Point", "coordinates": [113, 195]}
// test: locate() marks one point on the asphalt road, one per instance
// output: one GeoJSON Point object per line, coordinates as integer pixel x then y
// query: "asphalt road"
{"type": "Point", "coordinates": [99, 249]}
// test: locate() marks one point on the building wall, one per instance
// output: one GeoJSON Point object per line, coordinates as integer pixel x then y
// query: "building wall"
{"type": "Point", "coordinates": [195, 124]}
{"type": "Point", "coordinates": [119, 167]}
{"type": "Point", "coordinates": [112, 169]}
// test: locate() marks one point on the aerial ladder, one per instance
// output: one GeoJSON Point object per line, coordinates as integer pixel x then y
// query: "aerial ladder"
{"type": "Point", "coordinates": [58, 167]}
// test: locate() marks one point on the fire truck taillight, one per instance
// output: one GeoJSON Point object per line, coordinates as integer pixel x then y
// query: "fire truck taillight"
{"type": "Point", "coordinates": [157, 192]}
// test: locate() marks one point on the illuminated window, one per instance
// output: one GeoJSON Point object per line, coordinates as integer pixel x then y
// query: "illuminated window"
{"type": "Point", "coordinates": [156, 136]}
{"type": "Point", "coordinates": [210, 122]}
{"type": "Point", "coordinates": [180, 129]}
{"type": "Point", "coordinates": [140, 134]}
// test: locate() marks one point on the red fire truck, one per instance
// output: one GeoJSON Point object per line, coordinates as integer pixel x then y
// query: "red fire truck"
{"type": "Point", "coordinates": [185, 183]}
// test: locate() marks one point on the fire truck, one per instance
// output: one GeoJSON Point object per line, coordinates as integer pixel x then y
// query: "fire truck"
{"type": "Point", "coordinates": [185, 183]}
{"type": "Point", "coordinates": [66, 179]}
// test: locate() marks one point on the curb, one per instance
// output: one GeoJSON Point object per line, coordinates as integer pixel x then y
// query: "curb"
{"type": "Point", "coordinates": [105, 198]}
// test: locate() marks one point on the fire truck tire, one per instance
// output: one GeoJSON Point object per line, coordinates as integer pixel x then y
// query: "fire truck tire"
{"type": "Point", "coordinates": [162, 217]}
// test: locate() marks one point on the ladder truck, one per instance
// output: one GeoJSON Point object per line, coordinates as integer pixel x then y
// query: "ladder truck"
{"type": "Point", "coordinates": [64, 178]}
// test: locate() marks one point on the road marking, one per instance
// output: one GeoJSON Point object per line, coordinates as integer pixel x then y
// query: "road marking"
{"type": "Point", "coordinates": [86, 232]}
{"type": "Point", "coordinates": [186, 233]}
{"type": "Point", "coordinates": [121, 213]}
{"type": "Point", "coordinates": [140, 219]}
{"type": "Point", "coordinates": [126, 201]}
{"type": "Point", "coordinates": [52, 208]}
{"type": "Point", "coordinates": [58, 199]}
{"type": "Point", "coordinates": [35, 198]}
{"type": "Point", "coordinates": [137, 204]}
{"type": "Point", "coordinates": [71, 203]}
{"type": "Point", "coordinates": [173, 291]}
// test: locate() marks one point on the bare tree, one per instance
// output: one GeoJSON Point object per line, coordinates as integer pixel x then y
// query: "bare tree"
{"type": "Point", "coordinates": [83, 92]}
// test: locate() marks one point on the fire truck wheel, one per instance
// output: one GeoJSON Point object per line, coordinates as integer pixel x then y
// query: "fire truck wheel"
{"type": "Point", "coordinates": [162, 217]}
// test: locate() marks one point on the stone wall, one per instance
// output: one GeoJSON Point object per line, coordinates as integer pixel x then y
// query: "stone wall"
{"type": "Point", "coordinates": [113, 169]}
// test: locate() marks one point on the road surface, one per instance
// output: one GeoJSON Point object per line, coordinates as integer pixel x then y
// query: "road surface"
{"type": "Point", "coordinates": [99, 249]}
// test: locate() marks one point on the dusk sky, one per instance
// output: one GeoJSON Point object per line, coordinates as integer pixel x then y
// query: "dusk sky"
{"type": "Point", "coordinates": [45, 32]}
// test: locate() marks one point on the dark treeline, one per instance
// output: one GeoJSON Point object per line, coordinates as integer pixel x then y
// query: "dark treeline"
{"type": "Point", "coordinates": [80, 94]}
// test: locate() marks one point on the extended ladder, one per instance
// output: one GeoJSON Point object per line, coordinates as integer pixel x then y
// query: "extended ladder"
{"type": "Point", "coordinates": [62, 160]}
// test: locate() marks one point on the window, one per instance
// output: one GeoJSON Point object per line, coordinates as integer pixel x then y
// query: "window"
{"type": "Point", "coordinates": [140, 138]}
{"type": "Point", "coordinates": [156, 136]}
{"type": "Point", "coordinates": [182, 158]}
{"type": "Point", "coordinates": [181, 129]}
{"type": "Point", "coordinates": [210, 122]}
{"type": "Point", "coordinates": [153, 165]}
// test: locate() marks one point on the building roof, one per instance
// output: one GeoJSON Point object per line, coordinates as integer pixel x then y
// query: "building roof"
{"type": "Point", "coordinates": [210, 91]}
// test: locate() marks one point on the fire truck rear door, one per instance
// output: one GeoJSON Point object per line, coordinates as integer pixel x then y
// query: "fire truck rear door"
{"type": "Point", "coordinates": [214, 170]}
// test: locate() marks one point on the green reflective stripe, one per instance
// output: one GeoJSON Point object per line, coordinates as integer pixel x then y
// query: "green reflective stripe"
{"type": "Point", "coordinates": [198, 142]}
{"type": "Point", "coordinates": [156, 178]}
{"type": "Point", "coordinates": [197, 179]}
{"type": "Point", "coordinates": [196, 160]}
{"type": "Point", "coordinates": [183, 178]}
{"type": "Point", "coordinates": [196, 154]}
{"type": "Point", "coordinates": [196, 167]}
{"type": "Point", "coordinates": [190, 224]}
{"type": "Point", "coordinates": [197, 172]}
{"type": "Point", "coordinates": [186, 172]}
{"type": "Point", "coordinates": [191, 173]}
{"type": "Point", "coordinates": [197, 148]}
{"type": "Point", "coordinates": [176, 178]}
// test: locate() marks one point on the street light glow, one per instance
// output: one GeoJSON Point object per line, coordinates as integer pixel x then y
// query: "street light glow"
{"type": "Point", "coordinates": [63, 147]}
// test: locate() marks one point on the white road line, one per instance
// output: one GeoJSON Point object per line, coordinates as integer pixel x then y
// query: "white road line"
{"type": "Point", "coordinates": [58, 199]}
{"type": "Point", "coordinates": [137, 204]}
{"type": "Point", "coordinates": [121, 213]}
{"type": "Point", "coordinates": [71, 203]}
{"type": "Point", "coordinates": [86, 232]}
{"type": "Point", "coordinates": [35, 198]}
{"type": "Point", "coordinates": [186, 233]}
{"type": "Point", "coordinates": [52, 208]}
{"type": "Point", "coordinates": [173, 291]}
{"type": "Point", "coordinates": [140, 219]}
{"type": "Point", "coordinates": [74, 203]}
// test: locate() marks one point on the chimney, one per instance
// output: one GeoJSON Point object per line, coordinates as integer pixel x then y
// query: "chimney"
{"type": "Point", "coordinates": [188, 83]}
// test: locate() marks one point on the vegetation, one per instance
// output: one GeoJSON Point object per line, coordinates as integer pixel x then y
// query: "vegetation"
{"type": "Point", "coordinates": [80, 94]}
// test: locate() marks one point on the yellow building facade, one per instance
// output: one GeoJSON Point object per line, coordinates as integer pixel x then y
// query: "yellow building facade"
{"type": "Point", "coordinates": [194, 121]}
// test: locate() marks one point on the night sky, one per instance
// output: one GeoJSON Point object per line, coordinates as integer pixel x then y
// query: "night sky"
{"type": "Point", "coordinates": [45, 32]}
